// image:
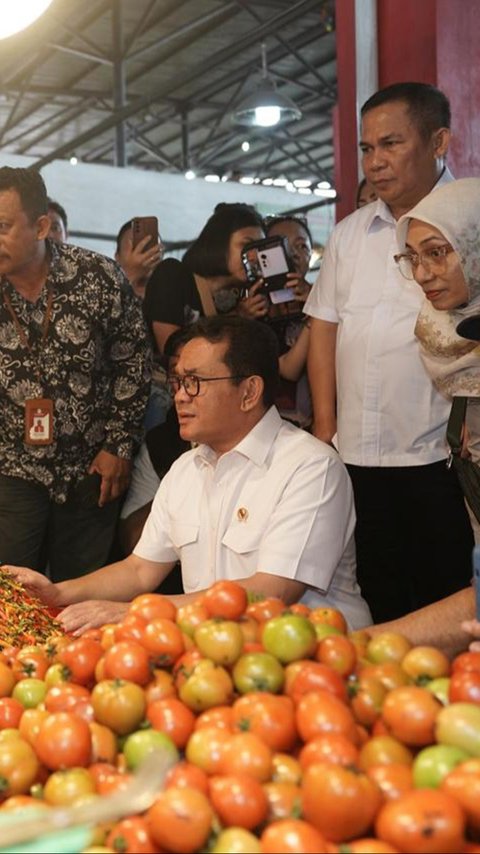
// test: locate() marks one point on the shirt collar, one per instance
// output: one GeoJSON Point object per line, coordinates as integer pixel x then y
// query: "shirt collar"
{"type": "Point", "coordinates": [255, 446]}
{"type": "Point", "coordinates": [381, 211]}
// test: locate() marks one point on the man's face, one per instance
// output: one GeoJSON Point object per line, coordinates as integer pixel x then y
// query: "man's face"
{"type": "Point", "coordinates": [20, 240]}
{"type": "Point", "coordinates": [214, 417]}
{"type": "Point", "coordinates": [57, 228]}
{"type": "Point", "coordinates": [397, 161]}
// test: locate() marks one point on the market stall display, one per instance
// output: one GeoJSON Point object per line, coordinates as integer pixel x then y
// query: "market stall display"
{"type": "Point", "coordinates": [283, 731]}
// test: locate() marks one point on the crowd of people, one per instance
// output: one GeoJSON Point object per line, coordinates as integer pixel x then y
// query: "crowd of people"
{"type": "Point", "coordinates": [168, 422]}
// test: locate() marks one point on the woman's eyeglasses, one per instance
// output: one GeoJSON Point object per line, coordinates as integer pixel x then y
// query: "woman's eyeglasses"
{"type": "Point", "coordinates": [433, 260]}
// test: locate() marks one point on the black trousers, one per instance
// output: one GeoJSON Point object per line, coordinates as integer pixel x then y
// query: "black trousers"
{"type": "Point", "coordinates": [72, 538]}
{"type": "Point", "coordinates": [413, 537]}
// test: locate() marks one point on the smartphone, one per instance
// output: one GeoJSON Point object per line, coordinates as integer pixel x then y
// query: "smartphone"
{"type": "Point", "coordinates": [143, 226]}
{"type": "Point", "coordinates": [268, 259]}
{"type": "Point", "coordinates": [476, 579]}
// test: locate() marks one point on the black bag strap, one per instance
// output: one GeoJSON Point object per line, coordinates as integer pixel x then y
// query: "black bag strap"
{"type": "Point", "coordinates": [455, 424]}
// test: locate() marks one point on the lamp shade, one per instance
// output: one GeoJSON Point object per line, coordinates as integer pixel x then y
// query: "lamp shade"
{"type": "Point", "coordinates": [265, 107]}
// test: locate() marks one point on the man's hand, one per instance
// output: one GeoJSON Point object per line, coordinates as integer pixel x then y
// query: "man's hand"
{"type": "Point", "coordinates": [138, 262]}
{"type": "Point", "coordinates": [115, 474]}
{"type": "Point", "coordinates": [91, 614]}
{"type": "Point", "coordinates": [35, 584]}
{"type": "Point", "coordinates": [472, 627]}
{"type": "Point", "coordinates": [255, 305]}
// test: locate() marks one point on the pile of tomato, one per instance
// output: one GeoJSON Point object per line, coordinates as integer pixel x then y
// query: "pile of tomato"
{"type": "Point", "coordinates": [285, 732]}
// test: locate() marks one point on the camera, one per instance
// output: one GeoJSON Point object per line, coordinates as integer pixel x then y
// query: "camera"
{"type": "Point", "coordinates": [268, 259]}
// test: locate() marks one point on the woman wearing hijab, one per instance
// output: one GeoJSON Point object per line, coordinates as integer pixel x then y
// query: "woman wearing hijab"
{"type": "Point", "coordinates": [440, 242]}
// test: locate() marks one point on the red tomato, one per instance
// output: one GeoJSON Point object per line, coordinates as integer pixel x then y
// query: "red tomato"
{"type": "Point", "coordinates": [463, 784]}
{"type": "Point", "coordinates": [293, 836]}
{"type": "Point", "coordinates": [466, 661]}
{"type": "Point", "coordinates": [164, 642]}
{"type": "Point", "coordinates": [63, 741]}
{"type": "Point", "coordinates": [64, 697]}
{"type": "Point", "coordinates": [186, 775]}
{"type": "Point", "coordinates": [226, 599]}
{"type": "Point", "coordinates": [180, 820]}
{"type": "Point", "coordinates": [312, 676]}
{"type": "Point", "coordinates": [320, 712]}
{"type": "Point", "coordinates": [131, 836]}
{"type": "Point", "coordinates": [172, 717]}
{"type": "Point", "coordinates": [337, 652]}
{"type": "Point", "coordinates": [151, 606]}
{"type": "Point", "coordinates": [11, 711]}
{"type": "Point", "coordinates": [464, 686]}
{"type": "Point", "coordinates": [329, 747]}
{"type": "Point", "coordinates": [270, 717]}
{"type": "Point", "coordinates": [127, 660]}
{"type": "Point", "coordinates": [410, 714]}
{"type": "Point", "coordinates": [238, 800]}
{"type": "Point", "coordinates": [81, 656]}
{"type": "Point", "coordinates": [246, 753]}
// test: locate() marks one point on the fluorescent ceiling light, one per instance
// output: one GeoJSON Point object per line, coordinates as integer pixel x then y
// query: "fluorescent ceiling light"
{"type": "Point", "coordinates": [190, 175]}
{"type": "Point", "coordinates": [214, 179]}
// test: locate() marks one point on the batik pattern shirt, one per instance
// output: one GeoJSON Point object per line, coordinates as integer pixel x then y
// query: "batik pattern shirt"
{"type": "Point", "coordinates": [94, 365]}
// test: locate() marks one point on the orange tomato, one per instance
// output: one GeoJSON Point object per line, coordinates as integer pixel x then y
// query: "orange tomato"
{"type": "Point", "coordinates": [337, 652]}
{"type": "Point", "coordinates": [423, 821]}
{"type": "Point", "coordinates": [292, 835]}
{"type": "Point", "coordinates": [410, 713]}
{"type": "Point", "coordinates": [246, 753]}
{"type": "Point", "coordinates": [173, 717]}
{"type": "Point", "coordinates": [151, 606]}
{"type": "Point", "coordinates": [185, 775]}
{"type": "Point", "coordinates": [7, 680]}
{"type": "Point", "coordinates": [284, 800]}
{"type": "Point", "coordinates": [131, 836]}
{"type": "Point", "coordinates": [367, 694]}
{"type": "Point", "coordinates": [463, 784]}
{"type": "Point", "coordinates": [127, 660]}
{"type": "Point", "coordinates": [164, 641]}
{"type": "Point", "coordinates": [104, 743]}
{"type": "Point", "coordinates": [330, 747]}
{"type": "Point", "coordinates": [265, 609]}
{"type": "Point", "coordinates": [330, 617]}
{"type": "Point", "coordinates": [422, 663]}
{"type": "Point", "coordinates": [384, 750]}
{"type": "Point", "coordinates": [311, 676]}
{"type": "Point", "coordinates": [393, 779]}
{"type": "Point", "coordinates": [340, 802]}
{"type": "Point", "coordinates": [239, 800]}
{"type": "Point", "coordinates": [226, 599]}
{"type": "Point", "coordinates": [286, 768]}
{"type": "Point", "coordinates": [180, 820]}
{"type": "Point", "coordinates": [64, 741]}
{"type": "Point", "coordinates": [320, 712]}
{"type": "Point", "coordinates": [367, 845]}
{"type": "Point", "coordinates": [269, 716]}
{"type": "Point", "coordinates": [205, 748]}
{"type": "Point", "coordinates": [221, 716]}
{"type": "Point", "coordinates": [160, 686]}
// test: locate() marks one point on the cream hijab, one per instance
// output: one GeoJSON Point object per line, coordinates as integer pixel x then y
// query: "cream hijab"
{"type": "Point", "coordinates": [452, 362]}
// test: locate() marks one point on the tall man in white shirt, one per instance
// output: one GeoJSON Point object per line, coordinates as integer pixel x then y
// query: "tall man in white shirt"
{"type": "Point", "coordinates": [258, 500]}
{"type": "Point", "coordinates": [368, 383]}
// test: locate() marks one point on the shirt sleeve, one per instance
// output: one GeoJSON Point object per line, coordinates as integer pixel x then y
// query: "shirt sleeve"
{"type": "Point", "coordinates": [168, 290]}
{"type": "Point", "coordinates": [129, 354]}
{"type": "Point", "coordinates": [321, 302]}
{"type": "Point", "coordinates": [311, 525]}
{"type": "Point", "coordinates": [155, 543]}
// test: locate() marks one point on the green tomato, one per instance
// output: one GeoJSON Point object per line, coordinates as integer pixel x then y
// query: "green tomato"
{"type": "Point", "coordinates": [258, 671]}
{"type": "Point", "coordinates": [387, 646]}
{"type": "Point", "coordinates": [459, 725]}
{"type": "Point", "coordinates": [140, 744]}
{"type": "Point", "coordinates": [30, 692]}
{"type": "Point", "coordinates": [289, 637]}
{"type": "Point", "coordinates": [433, 763]}
{"type": "Point", "coordinates": [439, 687]}
{"type": "Point", "coordinates": [219, 640]}
{"type": "Point", "coordinates": [325, 630]}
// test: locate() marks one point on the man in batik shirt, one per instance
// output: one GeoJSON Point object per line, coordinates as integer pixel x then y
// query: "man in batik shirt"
{"type": "Point", "coordinates": [74, 382]}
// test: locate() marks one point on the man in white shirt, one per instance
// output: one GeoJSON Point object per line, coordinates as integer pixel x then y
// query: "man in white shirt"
{"type": "Point", "coordinates": [368, 383]}
{"type": "Point", "coordinates": [258, 500]}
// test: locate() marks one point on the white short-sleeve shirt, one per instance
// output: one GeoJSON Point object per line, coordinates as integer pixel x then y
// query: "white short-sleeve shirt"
{"type": "Point", "coordinates": [280, 502]}
{"type": "Point", "coordinates": [389, 412]}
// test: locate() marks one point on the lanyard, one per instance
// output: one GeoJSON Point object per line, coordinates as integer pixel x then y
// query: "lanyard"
{"type": "Point", "coordinates": [21, 332]}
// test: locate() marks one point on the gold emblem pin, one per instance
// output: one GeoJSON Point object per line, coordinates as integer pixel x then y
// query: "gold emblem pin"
{"type": "Point", "coordinates": [242, 514]}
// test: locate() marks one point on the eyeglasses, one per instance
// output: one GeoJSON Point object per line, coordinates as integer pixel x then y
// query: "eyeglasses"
{"type": "Point", "coordinates": [433, 260]}
{"type": "Point", "coordinates": [191, 383]}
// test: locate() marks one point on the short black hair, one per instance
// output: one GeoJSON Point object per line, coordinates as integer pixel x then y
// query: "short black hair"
{"type": "Point", "coordinates": [252, 349]}
{"type": "Point", "coordinates": [30, 186]}
{"type": "Point", "coordinates": [428, 106]}
{"type": "Point", "coordinates": [208, 254]}
{"type": "Point", "coordinates": [270, 222]}
{"type": "Point", "coordinates": [123, 229]}
{"type": "Point", "coordinates": [59, 209]}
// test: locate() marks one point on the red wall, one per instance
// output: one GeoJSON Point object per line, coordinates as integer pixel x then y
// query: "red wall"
{"type": "Point", "coordinates": [458, 75]}
{"type": "Point", "coordinates": [406, 41]}
{"type": "Point", "coordinates": [344, 115]}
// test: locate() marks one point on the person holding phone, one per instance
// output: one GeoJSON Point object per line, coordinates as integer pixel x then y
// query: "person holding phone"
{"type": "Point", "coordinates": [209, 278]}
{"type": "Point", "coordinates": [139, 259]}
{"type": "Point", "coordinates": [294, 400]}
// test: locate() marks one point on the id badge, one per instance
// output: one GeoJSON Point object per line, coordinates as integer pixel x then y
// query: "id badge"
{"type": "Point", "coordinates": [39, 421]}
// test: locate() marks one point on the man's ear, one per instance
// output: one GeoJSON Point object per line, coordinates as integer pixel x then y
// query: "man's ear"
{"type": "Point", "coordinates": [441, 141]}
{"type": "Point", "coordinates": [42, 226]}
{"type": "Point", "coordinates": [252, 393]}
